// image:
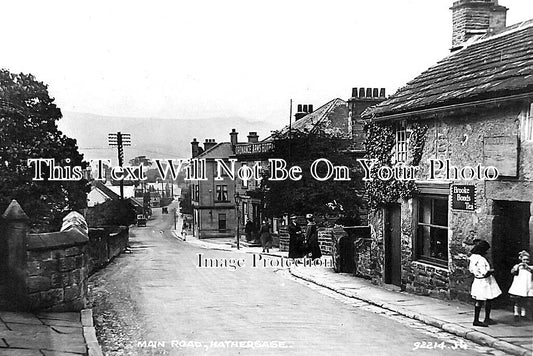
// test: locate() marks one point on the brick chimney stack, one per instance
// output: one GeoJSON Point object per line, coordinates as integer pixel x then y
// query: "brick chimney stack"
{"type": "Point", "coordinates": [196, 150]}
{"type": "Point", "coordinates": [361, 99]}
{"type": "Point", "coordinates": [475, 17]}
{"type": "Point", "coordinates": [209, 142]}
{"type": "Point", "coordinates": [302, 111]}
{"type": "Point", "coordinates": [253, 137]}
{"type": "Point", "coordinates": [233, 138]}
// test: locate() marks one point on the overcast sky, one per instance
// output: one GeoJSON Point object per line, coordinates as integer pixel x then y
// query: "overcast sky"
{"type": "Point", "coordinates": [223, 58]}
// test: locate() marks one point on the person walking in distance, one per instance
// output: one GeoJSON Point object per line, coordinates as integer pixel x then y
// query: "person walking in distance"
{"type": "Point", "coordinates": [311, 237]}
{"type": "Point", "coordinates": [265, 236]}
{"type": "Point", "coordinates": [522, 288]}
{"type": "Point", "coordinates": [484, 287]}
{"type": "Point", "coordinates": [249, 229]}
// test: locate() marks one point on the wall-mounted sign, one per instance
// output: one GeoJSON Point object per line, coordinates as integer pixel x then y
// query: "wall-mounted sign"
{"type": "Point", "coordinates": [254, 148]}
{"type": "Point", "coordinates": [463, 197]}
{"type": "Point", "coordinates": [502, 153]}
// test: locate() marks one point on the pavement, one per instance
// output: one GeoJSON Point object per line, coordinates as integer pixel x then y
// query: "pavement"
{"type": "Point", "coordinates": [48, 334]}
{"type": "Point", "coordinates": [451, 316]}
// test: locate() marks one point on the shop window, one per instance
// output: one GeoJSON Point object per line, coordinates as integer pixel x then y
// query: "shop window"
{"type": "Point", "coordinates": [526, 125]}
{"type": "Point", "coordinates": [222, 221]}
{"type": "Point", "coordinates": [222, 192]}
{"type": "Point", "coordinates": [432, 230]}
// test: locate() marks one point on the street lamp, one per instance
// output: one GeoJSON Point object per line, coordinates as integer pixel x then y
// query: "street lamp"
{"type": "Point", "coordinates": [238, 199]}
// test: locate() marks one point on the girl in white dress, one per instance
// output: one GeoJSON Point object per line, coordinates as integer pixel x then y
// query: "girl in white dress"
{"type": "Point", "coordinates": [522, 287]}
{"type": "Point", "coordinates": [484, 287]}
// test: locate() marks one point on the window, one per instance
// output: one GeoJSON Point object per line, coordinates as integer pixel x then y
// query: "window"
{"type": "Point", "coordinates": [244, 211]}
{"type": "Point", "coordinates": [526, 125]}
{"type": "Point", "coordinates": [402, 144]}
{"type": "Point", "coordinates": [244, 181]}
{"type": "Point", "coordinates": [196, 192]}
{"type": "Point", "coordinates": [432, 230]}
{"type": "Point", "coordinates": [222, 221]}
{"type": "Point", "coordinates": [222, 192]}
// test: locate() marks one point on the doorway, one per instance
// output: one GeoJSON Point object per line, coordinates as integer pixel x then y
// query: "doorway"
{"type": "Point", "coordinates": [393, 266]}
{"type": "Point", "coordinates": [510, 235]}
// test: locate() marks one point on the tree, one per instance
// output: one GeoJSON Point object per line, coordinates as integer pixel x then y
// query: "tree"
{"type": "Point", "coordinates": [140, 160]}
{"type": "Point", "coordinates": [112, 212]}
{"type": "Point", "coordinates": [310, 195]}
{"type": "Point", "coordinates": [28, 129]}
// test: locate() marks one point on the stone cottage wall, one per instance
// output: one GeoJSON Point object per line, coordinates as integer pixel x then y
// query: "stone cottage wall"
{"type": "Point", "coordinates": [459, 139]}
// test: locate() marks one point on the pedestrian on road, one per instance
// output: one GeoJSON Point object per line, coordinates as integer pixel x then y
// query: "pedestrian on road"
{"type": "Point", "coordinates": [296, 238]}
{"type": "Point", "coordinates": [484, 287]}
{"type": "Point", "coordinates": [522, 288]}
{"type": "Point", "coordinates": [265, 236]}
{"type": "Point", "coordinates": [311, 237]}
{"type": "Point", "coordinates": [249, 228]}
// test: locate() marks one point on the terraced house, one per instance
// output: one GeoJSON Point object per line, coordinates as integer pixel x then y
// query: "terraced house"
{"type": "Point", "coordinates": [457, 121]}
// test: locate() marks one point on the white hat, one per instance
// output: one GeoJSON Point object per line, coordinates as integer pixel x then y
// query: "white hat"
{"type": "Point", "coordinates": [309, 216]}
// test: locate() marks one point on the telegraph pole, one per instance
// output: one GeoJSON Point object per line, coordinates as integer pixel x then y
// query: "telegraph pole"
{"type": "Point", "coordinates": [120, 140]}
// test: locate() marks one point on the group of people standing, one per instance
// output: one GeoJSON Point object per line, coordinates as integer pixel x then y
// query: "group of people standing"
{"type": "Point", "coordinates": [485, 288]}
{"type": "Point", "coordinates": [301, 243]}
{"type": "Point", "coordinates": [264, 233]}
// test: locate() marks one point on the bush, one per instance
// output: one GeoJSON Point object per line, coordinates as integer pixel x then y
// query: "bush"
{"type": "Point", "coordinates": [111, 212]}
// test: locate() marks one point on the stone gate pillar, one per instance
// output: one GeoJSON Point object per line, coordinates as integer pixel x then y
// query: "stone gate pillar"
{"type": "Point", "coordinates": [13, 241]}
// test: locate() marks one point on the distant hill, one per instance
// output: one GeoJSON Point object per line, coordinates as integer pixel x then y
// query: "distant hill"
{"type": "Point", "coordinates": [154, 138]}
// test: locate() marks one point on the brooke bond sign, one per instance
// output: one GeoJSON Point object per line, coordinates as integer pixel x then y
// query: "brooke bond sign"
{"type": "Point", "coordinates": [463, 197]}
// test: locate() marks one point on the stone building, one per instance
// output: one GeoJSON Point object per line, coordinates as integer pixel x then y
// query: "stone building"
{"type": "Point", "coordinates": [469, 113]}
{"type": "Point", "coordinates": [212, 200]}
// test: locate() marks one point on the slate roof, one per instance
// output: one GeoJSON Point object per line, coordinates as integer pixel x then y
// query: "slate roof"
{"type": "Point", "coordinates": [311, 122]}
{"type": "Point", "coordinates": [492, 66]}
{"type": "Point", "coordinates": [105, 190]}
{"type": "Point", "coordinates": [220, 150]}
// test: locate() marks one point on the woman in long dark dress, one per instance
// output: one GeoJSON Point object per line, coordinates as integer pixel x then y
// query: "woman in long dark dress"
{"type": "Point", "coordinates": [295, 238]}
{"type": "Point", "coordinates": [266, 237]}
{"type": "Point", "coordinates": [311, 236]}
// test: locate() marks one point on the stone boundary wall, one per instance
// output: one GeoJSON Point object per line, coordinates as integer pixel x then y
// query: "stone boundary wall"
{"type": "Point", "coordinates": [49, 271]}
{"type": "Point", "coordinates": [283, 239]}
{"type": "Point", "coordinates": [105, 243]}
{"type": "Point", "coordinates": [325, 240]}
{"type": "Point", "coordinates": [57, 271]}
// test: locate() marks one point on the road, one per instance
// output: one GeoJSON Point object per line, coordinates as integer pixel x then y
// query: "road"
{"type": "Point", "coordinates": [156, 300]}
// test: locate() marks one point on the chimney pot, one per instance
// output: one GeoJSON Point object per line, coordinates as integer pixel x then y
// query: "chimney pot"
{"type": "Point", "coordinates": [382, 93]}
{"type": "Point", "coordinates": [361, 92]}
{"type": "Point", "coordinates": [304, 108]}
{"type": "Point", "coordinates": [375, 92]}
{"type": "Point", "coordinates": [299, 108]}
{"type": "Point", "coordinates": [354, 92]}
{"type": "Point", "coordinates": [368, 92]}
{"type": "Point", "coordinates": [310, 108]}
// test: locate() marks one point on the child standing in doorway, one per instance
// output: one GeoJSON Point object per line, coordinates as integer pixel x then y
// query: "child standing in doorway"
{"type": "Point", "coordinates": [484, 287]}
{"type": "Point", "coordinates": [522, 288]}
